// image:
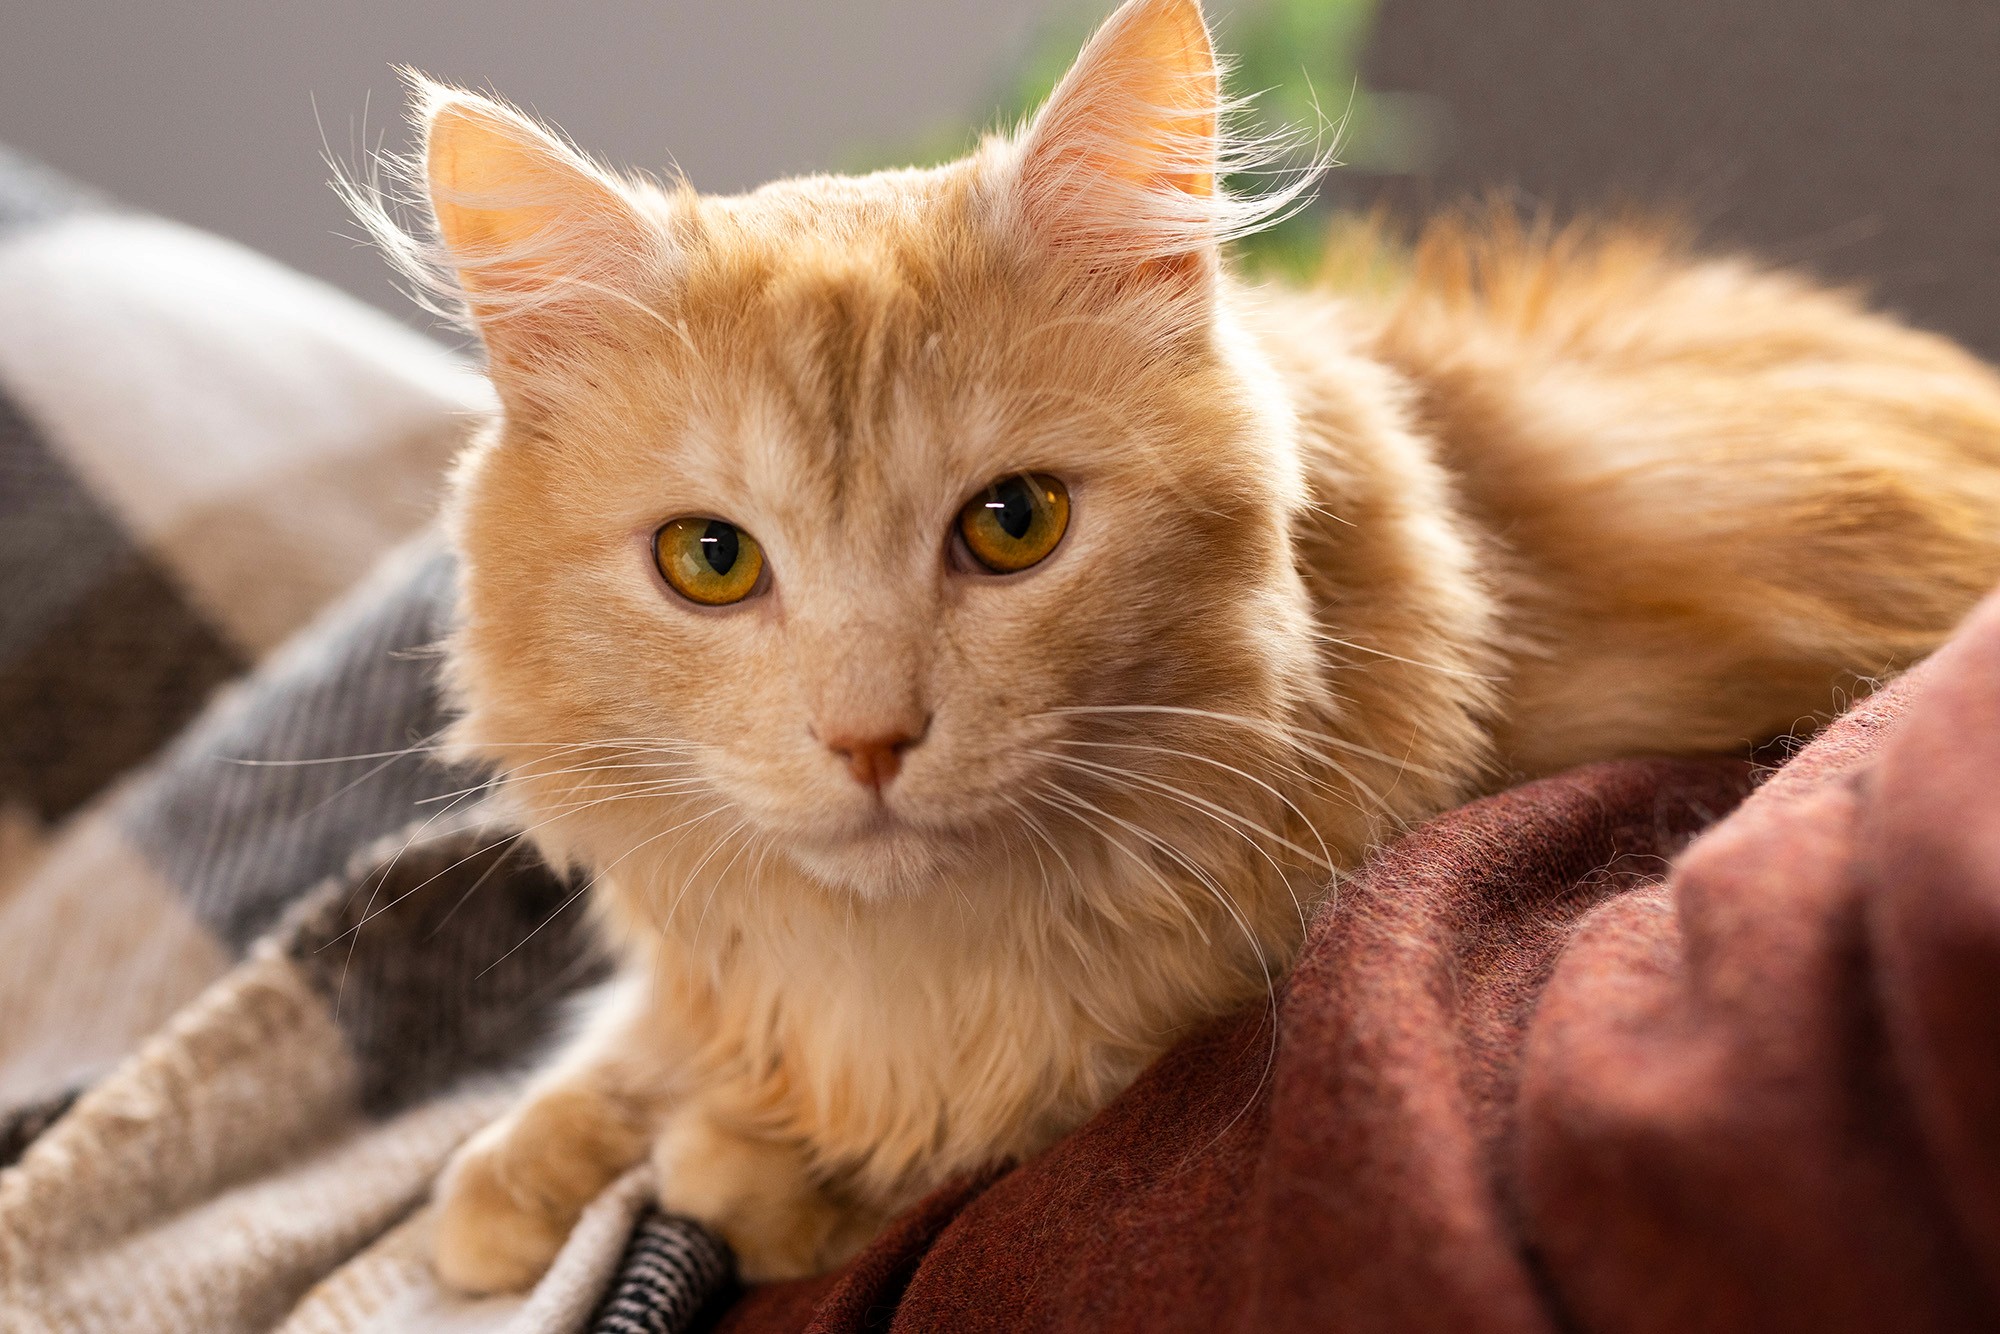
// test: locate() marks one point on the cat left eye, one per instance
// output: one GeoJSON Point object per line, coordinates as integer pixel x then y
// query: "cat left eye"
{"type": "Point", "coordinates": [1016, 522]}
{"type": "Point", "coordinates": [708, 561]}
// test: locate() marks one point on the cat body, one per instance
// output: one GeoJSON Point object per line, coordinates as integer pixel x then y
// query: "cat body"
{"type": "Point", "coordinates": [912, 862]}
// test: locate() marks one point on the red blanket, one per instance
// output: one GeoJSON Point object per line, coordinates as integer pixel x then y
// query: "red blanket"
{"type": "Point", "coordinates": [1540, 1069]}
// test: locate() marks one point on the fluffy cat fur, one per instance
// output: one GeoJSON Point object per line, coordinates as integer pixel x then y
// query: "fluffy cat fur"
{"type": "Point", "coordinates": [1475, 509]}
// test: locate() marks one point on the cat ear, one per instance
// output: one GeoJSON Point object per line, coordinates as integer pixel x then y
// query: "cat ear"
{"type": "Point", "coordinates": [537, 235]}
{"type": "Point", "coordinates": [1121, 162]}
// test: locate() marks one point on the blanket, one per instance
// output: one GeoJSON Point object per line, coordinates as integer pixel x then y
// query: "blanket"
{"type": "Point", "coordinates": [198, 450]}
{"type": "Point", "coordinates": [236, 1042]}
{"type": "Point", "coordinates": [1656, 1044]}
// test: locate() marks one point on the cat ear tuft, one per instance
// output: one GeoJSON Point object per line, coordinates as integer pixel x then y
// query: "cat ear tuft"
{"type": "Point", "coordinates": [535, 234]}
{"type": "Point", "coordinates": [1123, 157]}
{"type": "Point", "coordinates": [1123, 164]}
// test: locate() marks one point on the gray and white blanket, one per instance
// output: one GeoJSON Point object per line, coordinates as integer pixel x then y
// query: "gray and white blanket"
{"type": "Point", "coordinates": [262, 965]}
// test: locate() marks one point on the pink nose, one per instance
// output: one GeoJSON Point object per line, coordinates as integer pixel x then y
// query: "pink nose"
{"type": "Point", "coordinates": [872, 760]}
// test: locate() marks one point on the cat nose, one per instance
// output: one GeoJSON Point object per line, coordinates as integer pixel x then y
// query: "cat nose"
{"type": "Point", "coordinates": [873, 760]}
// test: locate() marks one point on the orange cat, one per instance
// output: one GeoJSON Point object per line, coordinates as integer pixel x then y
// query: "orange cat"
{"type": "Point", "coordinates": [961, 630]}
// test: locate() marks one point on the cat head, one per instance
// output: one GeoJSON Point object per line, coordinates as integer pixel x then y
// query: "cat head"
{"type": "Point", "coordinates": [883, 526]}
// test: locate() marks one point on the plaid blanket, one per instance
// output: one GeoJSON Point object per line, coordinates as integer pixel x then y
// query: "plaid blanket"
{"type": "Point", "coordinates": [262, 964]}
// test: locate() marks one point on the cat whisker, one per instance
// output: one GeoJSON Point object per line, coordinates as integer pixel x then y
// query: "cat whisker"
{"type": "Point", "coordinates": [433, 746]}
{"type": "Point", "coordinates": [1221, 815]}
{"type": "Point", "coordinates": [353, 783]}
{"type": "Point", "coordinates": [687, 880]}
{"type": "Point", "coordinates": [1233, 821]}
{"type": "Point", "coordinates": [721, 874]}
{"type": "Point", "coordinates": [1280, 731]}
{"type": "Point", "coordinates": [474, 888]}
{"type": "Point", "coordinates": [1061, 799]}
{"type": "Point", "coordinates": [1291, 735]}
{"type": "Point", "coordinates": [386, 759]}
{"type": "Point", "coordinates": [609, 747]}
{"type": "Point", "coordinates": [593, 883]}
{"type": "Point", "coordinates": [624, 792]}
{"type": "Point", "coordinates": [1222, 900]}
{"type": "Point", "coordinates": [370, 912]}
{"type": "Point", "coordinates": [1041, 867]}
{"type": "Point", "coordinates": [611, 757]}
{"type": "Point", "coordinates": [1036, 830]}
{"type": "Point", "coordinates": [1323, 859]}
{"type": "Point", "coordinates": [1201, 874]}
{"type": "Point", "coordinates": [1459, 672]}
{"type": "Point", "coordinates": [655, 769]}
{"type": "Point", "coordinates": [536, 929]}
{"type": "Point", "coordinates": [500, 781]}
{"type": "Point", "coordinates": [368, 909]}
{"type": "Point", "coordinates": [391, 755]}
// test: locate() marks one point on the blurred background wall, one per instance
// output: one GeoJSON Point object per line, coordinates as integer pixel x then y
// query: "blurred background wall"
{"type": "Point", "coordinates": [1857, 137]}
{"type": "Point", "coordinates": [211, 111]}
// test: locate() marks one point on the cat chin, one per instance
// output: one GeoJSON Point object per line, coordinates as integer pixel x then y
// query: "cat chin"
{"type": "Point", "coordinates": [882, 866]}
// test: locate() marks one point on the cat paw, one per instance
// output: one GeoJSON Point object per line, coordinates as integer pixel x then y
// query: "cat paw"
{"type": "Point", "coordinates": [489, 1238]}
{"type": "Point", "coordinates": [759, 1196]}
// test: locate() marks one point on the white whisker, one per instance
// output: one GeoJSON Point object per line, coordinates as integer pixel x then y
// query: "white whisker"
{"type": "Point", "coordinates": [1323, 858]}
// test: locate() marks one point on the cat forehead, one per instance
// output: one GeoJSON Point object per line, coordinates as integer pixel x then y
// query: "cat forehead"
{"type": "Point", "coordinates": [842, 292]}
{"type": "Point", "coordinates": [831, 264]}
{"type": "Point", "coordinates": [847, 400]}
{"type": "Point", "coordinates": [854, 357]}
{"type": "Point", "coordinates": [862, 344]}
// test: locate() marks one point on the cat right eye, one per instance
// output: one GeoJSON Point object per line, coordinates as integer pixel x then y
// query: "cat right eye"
{"type": "Point", "coordinates": [708, 561]}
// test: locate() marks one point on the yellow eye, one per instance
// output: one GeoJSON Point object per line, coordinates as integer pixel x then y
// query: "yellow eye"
{"type": "Point", "coordinates": [708, 561]}
{"type": "Point", "coordinates": [1016, 522]}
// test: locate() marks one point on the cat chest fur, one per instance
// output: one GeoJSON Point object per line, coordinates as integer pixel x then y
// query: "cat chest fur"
{"type": "Point", "coordinates": [901, 1044]}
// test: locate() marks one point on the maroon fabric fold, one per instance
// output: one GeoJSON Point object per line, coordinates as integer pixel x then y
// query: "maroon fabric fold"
{"type": "Point", "coordinates": [1541, 1069]}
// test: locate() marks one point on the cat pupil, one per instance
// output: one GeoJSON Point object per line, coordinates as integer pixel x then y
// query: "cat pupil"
{"type": "Point", "coordinates": [1013, 508]}
{"type": "Point", "coordinates": [718, 546]}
